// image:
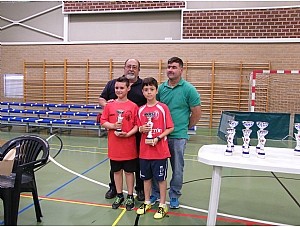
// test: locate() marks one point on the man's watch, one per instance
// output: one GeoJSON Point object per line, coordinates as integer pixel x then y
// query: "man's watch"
{"type": "Point", "coordinates": [158, 138]}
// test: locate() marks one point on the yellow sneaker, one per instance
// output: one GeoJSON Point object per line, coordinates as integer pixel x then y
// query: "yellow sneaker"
{"type": "Point", "coordinates": [143, 208]}
{"type": "Point", "coordinates": [161, 212]}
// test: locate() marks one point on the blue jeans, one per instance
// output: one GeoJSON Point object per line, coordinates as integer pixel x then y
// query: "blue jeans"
{"type": "Point", "coordinates": [177, 149]}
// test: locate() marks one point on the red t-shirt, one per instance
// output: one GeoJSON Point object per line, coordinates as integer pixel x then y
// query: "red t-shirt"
{"type": "Point", "coordinates": [161, 121]}
{"type": "Point", "coordinates": [120, 148]}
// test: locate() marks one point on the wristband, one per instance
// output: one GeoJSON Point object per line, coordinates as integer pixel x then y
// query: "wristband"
{"type": "Point", "coordinates": [158, 138]}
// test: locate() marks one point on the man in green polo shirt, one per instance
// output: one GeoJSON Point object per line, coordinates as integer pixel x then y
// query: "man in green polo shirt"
{"type": "Point", "coordinates": [184, 103]}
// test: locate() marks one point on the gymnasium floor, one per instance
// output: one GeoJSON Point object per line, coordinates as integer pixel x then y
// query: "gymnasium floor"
{"type": "Point", "coordinates": [247, 197]}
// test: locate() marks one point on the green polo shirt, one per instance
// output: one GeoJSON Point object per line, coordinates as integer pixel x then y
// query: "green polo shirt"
{"type": "Point", "coordinates": [179, 99]}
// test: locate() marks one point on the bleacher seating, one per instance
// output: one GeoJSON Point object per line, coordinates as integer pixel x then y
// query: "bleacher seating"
{"type": "Point", "coordinates": [50, 115]}
{"type": "Point", "coordinates": [48, 105]}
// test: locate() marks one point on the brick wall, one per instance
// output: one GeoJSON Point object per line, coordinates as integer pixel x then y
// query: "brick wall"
{"type": "Point", "coordinates": [248, 23]}
{"type": "Point", "coordinates": [210, 24]}
{"type": "Point", "coordinates": [281, 55]}
{"type": "Point", "coordinates": [96, 6]}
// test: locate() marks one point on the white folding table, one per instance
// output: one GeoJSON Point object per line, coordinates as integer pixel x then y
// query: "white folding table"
{"type": "Point", "coordinates": [280, 160]}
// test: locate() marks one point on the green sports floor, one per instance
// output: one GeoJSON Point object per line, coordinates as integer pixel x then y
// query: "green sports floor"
{"type": "Point", "coordinates": [72, 189]}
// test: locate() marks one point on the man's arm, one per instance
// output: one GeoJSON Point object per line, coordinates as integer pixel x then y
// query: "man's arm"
{"type": "Point", "coordinates": [195, 115]}
{"type": "Point", "coordinates": [107, 93]}
{"type": "Point", "coordinates": [104, 95]}
{"type": "Point", "coordinates": [102, 102]}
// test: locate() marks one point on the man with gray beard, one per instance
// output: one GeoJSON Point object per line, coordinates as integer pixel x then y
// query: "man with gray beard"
{"type": "Point", "coordinates": [131, 71]}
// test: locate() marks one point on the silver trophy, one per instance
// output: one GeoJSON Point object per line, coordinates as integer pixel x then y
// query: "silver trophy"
{"type": "Point", "coordinates": [260, 136]}
{"type": "Point", "coordinates": [246, 138]}
{"type": "Point", "coordinates": [119, 119]}
{"type": "Point", "coordinates": [248, 124]}
{"type": "Point", "coordinates": [261, 143]}
{"type": "Point", "coordinates": [230, 137]}
{"type": "Point", "coordinates": [262, 125]}
{"type": "Point", "coordinates": [297, 137]}
{"type": "Point", "coordinates": [149, 138]}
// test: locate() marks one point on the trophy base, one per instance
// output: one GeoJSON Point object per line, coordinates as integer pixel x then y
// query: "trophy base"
{"type": "Point", "coordinates": [261, 155]}
{"type": "Point", "coordinates": [149, 141]}
{"type": "Point", "coordinates": [228, 153]}
{"type": "Point", "coordinates": [246, 154]}
{"type": "Point", "coordinates": [257, 149]}
{"type": "Point", "coordinates": [297, 152]}
{"type": "Point", "coordinates": [232, 148]}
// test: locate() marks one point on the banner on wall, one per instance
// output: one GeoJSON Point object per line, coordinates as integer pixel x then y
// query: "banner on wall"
{"type": "Point", "coordinates": [279, 123]}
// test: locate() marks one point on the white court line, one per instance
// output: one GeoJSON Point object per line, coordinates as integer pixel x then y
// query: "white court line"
{"type": "Point", "coordinates": [183, 206]}
{"type": "Point", "coordinates": [77, 174]}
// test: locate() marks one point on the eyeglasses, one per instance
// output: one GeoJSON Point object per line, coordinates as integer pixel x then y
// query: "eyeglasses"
{"type": "Point", "coordinates": [134, 67]}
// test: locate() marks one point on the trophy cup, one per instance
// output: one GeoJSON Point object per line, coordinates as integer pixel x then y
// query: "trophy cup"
{"type": "Point", "coordinates": [119, 120]}
{"type": "Point", "coordinates": [261, 143]}
{"type": "Point", "coordinates": [297, 136]}
{"type": "Point", "coordinates": [230, 136]}
{"type": "Point", "coordinates": [261, 125]}
{"type": "Point", "coordinates": [246, 138]}
{"type": "Point", "coordinates": [149, 138]}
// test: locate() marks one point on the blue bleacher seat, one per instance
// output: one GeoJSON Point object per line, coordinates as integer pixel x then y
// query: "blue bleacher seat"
{"type": "Point", "coordinates": [50, 118]}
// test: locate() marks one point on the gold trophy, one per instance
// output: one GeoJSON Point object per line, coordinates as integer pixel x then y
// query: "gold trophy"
{"type": "Point", "coordinates": [119, 120]}
{"type": "Point", "coordinates": [149, 138]}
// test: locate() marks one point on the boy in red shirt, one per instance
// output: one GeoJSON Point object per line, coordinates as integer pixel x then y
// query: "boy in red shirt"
{"type": "Point", "coordinates": [154, 119]}
{"type": "Point", "coordinates": [120, 118]}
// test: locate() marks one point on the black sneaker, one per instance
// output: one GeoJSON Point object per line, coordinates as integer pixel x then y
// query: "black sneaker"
{"type": "Point", "coordinates": [129, 203]}
{"type": "Point", "coordinates": [140, 195]}
{"type": "Point", "coordinates": [118, 201]}
{"type": "Point", "coordinates": [111, 193]}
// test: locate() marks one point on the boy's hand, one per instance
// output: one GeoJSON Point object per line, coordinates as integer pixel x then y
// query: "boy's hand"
{"type": "Point", "coordinates": [121, 134]}
{"type": "Point", "coordinates": [116, 133]}
{"type": "Point", "coordinates": [118, 125]}
{"type": "Point", "coordinates": [146, 128]}
{"type": "Point", "coordinates": [110, 100]}
{"type": "Point", "coordinates": [154, 141]}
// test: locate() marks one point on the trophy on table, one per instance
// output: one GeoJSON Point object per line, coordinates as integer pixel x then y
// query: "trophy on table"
{"type": "Point", "coordinates": [119, 120]}
{"type": "Point", "coordinates": [230, 136]}
{"type": "Point", "coordinates": [297, 136]}
{"type": "Point", "coordinates": [246, 138]}
{"type": "Point", "coordinates": [149, 138]}
{"type": "Point", "coordinates": [261, 133]}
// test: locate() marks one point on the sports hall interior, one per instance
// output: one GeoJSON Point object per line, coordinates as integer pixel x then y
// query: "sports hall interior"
{"type": "Point", "coordinates": [64, 52]}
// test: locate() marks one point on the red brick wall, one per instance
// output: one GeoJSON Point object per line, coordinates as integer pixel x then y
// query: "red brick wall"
{"type": "Point", "coordinates": [248, 23]}
{"type": "Point", "coordinates": [81, 6]}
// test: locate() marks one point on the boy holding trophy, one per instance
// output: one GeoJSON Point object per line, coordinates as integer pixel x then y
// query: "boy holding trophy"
{"type": "Point", "coordinates": [155, 123]}
{"type": "Point", "coordinates": [120, 118]}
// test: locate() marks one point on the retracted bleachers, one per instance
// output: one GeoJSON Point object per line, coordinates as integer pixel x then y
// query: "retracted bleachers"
{"type": "Point", "coordinates": [66, 116]}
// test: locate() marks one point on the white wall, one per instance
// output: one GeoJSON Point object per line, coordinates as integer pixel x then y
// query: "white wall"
{"type": "Point", "coordinates": [126, 26]}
